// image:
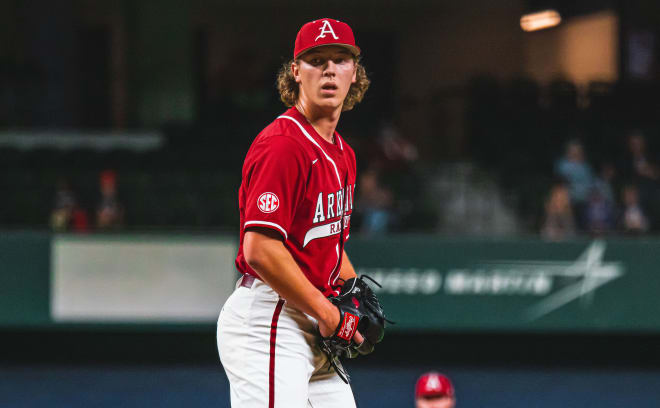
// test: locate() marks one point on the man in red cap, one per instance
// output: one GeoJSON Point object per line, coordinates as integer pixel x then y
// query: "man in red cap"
{"type": "Point", "coordinates": [434, 390]}
{"type": "Point", "coordinates": [295, 204]}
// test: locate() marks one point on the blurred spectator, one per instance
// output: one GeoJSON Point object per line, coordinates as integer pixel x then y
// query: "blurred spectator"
{"type": "Point", "coordinates": [66, 214]}
{"type": "Point", "coordinates": [633, 219]}
{"type": "Point", "coordinates": [577, 172]}
{"type": "Point", "coordinates": [604, 183]}
{"type": "Point", "coordinates": [109, 213]}
{"type": "Point", "coordinates": [641, 170]}
{"type": "Point", "coordinates": [395, 148]}
{"type": "Point", "coordinates": [375, 203]}
{"type": "Point", "coordinates": [434, 390]}
{"type": "Point", "coordinates": [395, 157]}
{"type": "Point", "coordinates": [638, 166]}
{"type": "Point", "coordinates": [600, 213]}
{"type": "Point", "coordinates": [558, 223]}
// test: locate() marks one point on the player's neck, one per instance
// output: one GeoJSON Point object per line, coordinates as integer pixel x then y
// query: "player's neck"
{"type": "Point", "coordinates": [322, 121]}
{"type": "Point", "coordinates": [325, 127]}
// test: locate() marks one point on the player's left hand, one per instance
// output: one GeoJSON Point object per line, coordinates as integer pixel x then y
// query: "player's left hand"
{"type": "Point", "coordinates": [361, 323]}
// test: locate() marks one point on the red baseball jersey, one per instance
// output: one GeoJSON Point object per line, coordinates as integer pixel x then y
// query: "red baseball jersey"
{"type": "Point", "coordinates": [302, 186]}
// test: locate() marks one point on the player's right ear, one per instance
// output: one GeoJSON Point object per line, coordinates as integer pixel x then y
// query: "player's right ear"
{"type": "Point", "coordinates": [295, 70]}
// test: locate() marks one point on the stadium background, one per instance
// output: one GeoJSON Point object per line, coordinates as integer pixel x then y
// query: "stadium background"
{"type": "Point", "coordinates": [123, 126]}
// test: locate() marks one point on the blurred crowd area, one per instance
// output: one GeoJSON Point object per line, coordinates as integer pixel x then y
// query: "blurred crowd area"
{"type": "Point", "coordinates": [558, 162]}
{"type": "Point", "coordinates": [575, 163]}
{"type": "Point", "coordinates": [137, 115]}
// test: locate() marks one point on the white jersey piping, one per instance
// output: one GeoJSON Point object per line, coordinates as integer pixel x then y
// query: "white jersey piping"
{"type": "Point", "coordinates": [311, 139]}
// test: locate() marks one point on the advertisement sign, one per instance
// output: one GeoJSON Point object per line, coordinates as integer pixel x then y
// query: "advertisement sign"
{"type": "Point", "coordinates": [514, 284]}
{"type": "Point", "coordinates": [140, 279]}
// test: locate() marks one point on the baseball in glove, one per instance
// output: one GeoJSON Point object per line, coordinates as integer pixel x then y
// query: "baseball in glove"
{"type": "Point", "coordinates": [359, 309]}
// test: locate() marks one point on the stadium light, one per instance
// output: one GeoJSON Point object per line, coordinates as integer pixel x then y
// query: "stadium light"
{"type": "Point", "coordinates": [540, 20]}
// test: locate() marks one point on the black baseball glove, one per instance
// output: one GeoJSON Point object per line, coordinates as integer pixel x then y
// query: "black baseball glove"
{"type": "Point", "coordinates": [359, 309]}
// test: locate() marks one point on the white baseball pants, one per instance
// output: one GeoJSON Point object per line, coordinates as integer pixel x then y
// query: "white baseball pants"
{"type": "Point", "coordinates": [270, 354]}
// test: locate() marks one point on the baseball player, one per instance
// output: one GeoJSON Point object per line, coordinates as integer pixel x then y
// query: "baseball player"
{"type": "Point", "coordinates": [434, 390]}
{"type": "Point", "coordinates": [295, 202]}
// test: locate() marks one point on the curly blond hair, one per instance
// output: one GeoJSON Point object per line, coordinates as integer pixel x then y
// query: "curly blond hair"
{"type": "Point", "coordinates": [288, 87]}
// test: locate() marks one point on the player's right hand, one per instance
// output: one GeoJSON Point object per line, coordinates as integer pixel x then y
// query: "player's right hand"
{"type": "Point", "coordinates": [328, 326]}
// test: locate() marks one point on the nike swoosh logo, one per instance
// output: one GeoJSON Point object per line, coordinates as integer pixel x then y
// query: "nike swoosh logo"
{"type": "Point", "coordinates": [314, 161]}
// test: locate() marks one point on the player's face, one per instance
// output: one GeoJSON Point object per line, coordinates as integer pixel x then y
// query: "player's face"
{"type": "Point", "coordinates": [325, 75]}
{"type": "Point", "coordinates": [435, 402]}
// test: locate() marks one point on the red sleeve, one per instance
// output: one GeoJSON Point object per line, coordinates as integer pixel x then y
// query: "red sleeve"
{"type": "Point", "coordinates": [275, 184]}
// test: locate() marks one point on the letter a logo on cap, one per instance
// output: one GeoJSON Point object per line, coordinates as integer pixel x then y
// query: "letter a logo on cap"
{"type": "Point", "coordinates": [324, 31]}
{"type": "Point", "coordinates": [326, 28]}
{"type": "Point", "coordinates": [433, 383]}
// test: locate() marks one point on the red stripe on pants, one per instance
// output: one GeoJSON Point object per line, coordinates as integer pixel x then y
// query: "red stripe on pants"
{"type": "Point", "coordinates": [271, 368]}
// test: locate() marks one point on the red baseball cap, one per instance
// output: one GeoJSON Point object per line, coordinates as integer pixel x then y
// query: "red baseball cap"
{"type": "Point", "coordinates": [325, 31]}
{"type": "Point", "coordinates": [433, 384]}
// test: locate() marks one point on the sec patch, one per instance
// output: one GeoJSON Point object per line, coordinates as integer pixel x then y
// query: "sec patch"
{"type": "Point", "coordinates": [268, 202]}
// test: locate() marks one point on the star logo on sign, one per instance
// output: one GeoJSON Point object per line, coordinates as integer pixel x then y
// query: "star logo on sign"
{"type": "Point", "coordinates": [590, 273]}
{"type": "Point", "coordinates": [586, 274]}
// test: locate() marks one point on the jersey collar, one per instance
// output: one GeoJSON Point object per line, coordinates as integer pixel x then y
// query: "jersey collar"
{"type": "Point", "coordinates": [338, 146]}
